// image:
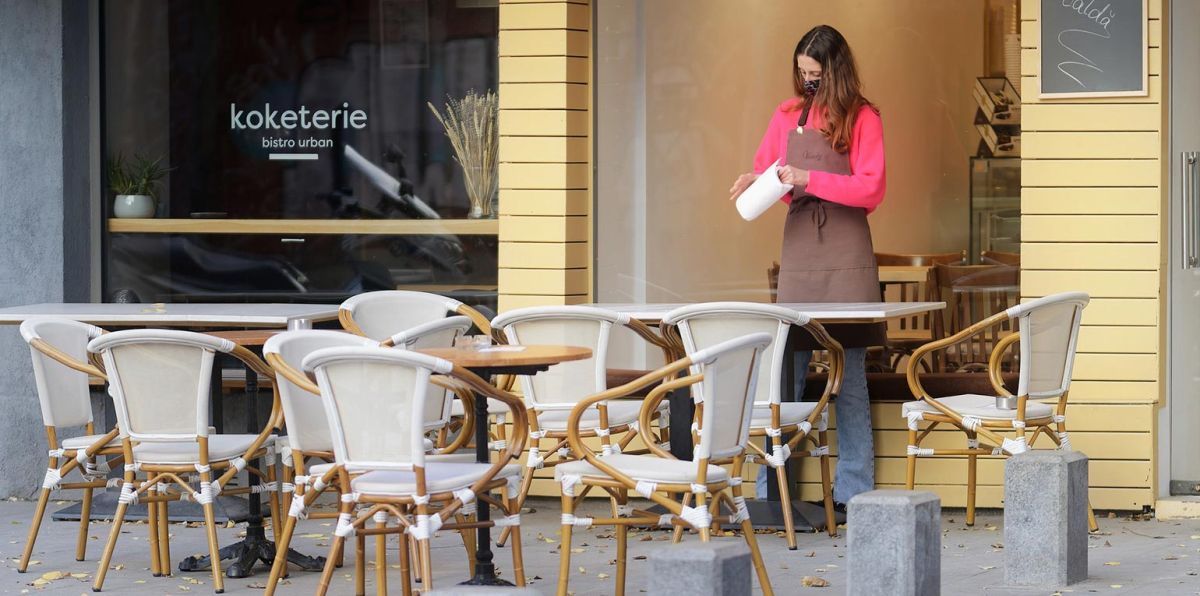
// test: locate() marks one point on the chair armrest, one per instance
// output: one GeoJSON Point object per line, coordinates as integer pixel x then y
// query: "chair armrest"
{"type": "Point", "coordinates": [465, 395]}
{"type": "Point", "coordinates": [275, 421]}
{"type": "Point", "coordinates": [61, 357]}
{"type": "Point", "coordinates": [650, 406]}
{"type": "Point", "coordinates": [994, 371]}
{"type": "Point", "coordinates": [297, 378]}
{"type": "Point", "coordinates": [913, 371]}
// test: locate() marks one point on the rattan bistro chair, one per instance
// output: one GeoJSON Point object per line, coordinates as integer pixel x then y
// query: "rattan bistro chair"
{"type": "Point", "coordinates": [550, 395]}
{"type": "Point", "coordinates": [1048, 331]}
{"type": "Point", "coordinates": [61, 370]}
{"type": "Point", "coordinates": [706, 325]}
{"type": "Point", "coordinates": [374, 400]}
{"type": "Point", "coordinates": [160, 384]}
{"type": "Point", "coordinates": [724, 404]}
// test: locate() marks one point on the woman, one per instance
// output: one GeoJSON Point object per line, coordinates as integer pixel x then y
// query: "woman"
{"type": "Point", "coordinates": [831, 140]}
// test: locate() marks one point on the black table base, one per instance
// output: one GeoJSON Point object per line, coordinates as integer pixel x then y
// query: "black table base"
{"type": "Point", "coordinates": [246, 553]}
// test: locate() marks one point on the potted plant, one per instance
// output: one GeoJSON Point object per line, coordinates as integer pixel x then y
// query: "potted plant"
{"type": "Point", "coordinates": [135, 182]}
{"type": "Point", "coordinates": [470, 124]}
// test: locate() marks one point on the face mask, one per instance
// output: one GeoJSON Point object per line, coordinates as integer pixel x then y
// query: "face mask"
{"type": "Point", "coordinates": [811, 87]}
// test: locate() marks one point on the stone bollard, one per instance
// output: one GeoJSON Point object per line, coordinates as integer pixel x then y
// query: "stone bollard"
{"type": "Point", "coordinates": [895, 543]}
{"type": "Point", "coordinates": [1045, 518]}
{"type": "Point", "coordinates": [716, 568]}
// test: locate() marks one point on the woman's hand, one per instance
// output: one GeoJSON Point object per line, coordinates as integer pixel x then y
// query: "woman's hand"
{"type": "Point", "coordinates": [743, 182]}
{"type": "Point", "coordinates": [794, 176]}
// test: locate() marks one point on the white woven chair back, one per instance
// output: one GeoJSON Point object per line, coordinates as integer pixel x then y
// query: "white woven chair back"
{"type": "Point", "coordinates": [566, 383]}
{"type": "Point", "coordinates": [730, 371]}
{"type": "Point", "coordinates": [437, 334]}
{"type": "Point", "coordinates": [63, 392]}
{"type": "Point", "coordinates": [708, 324]}
{"type": "Point", "coordinates": [1049, 333]}
{"type": "Point", "coordinates": [382, 314]}
{"type": "Point", "coordinates": [375, 400]}
{"type": "Point", "coordinates": [303, 412]}
{"type": "Point", "coordinates": [159, 380]}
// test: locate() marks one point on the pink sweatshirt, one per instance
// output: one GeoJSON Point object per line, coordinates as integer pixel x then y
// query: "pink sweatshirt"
{"type": "Point", "coordinates": [864, 187]}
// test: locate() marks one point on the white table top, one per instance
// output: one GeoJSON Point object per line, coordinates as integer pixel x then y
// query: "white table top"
{"type": "Point", "coordinates": [177, 315]}
{"type": "Point", "coordinates": [855, 312]}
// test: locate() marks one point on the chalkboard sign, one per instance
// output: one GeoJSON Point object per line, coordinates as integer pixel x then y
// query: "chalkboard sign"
{"type": "Point", "coordinates": [1093, 48]}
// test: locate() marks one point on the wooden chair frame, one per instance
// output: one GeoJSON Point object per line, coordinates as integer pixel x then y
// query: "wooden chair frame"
{"type": "Point", "coordinates": [993, 444]}
{"type": "Point", "coordinates": [383, 509]}
{"type": "Point", "coordinates": [619, 484]}
{"type": "Point", "coordinates": [212, 475]}
{"type": "Point", "coordinates": [63, 461]}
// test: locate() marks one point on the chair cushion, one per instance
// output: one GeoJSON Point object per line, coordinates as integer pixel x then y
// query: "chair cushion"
{"type": "Point", "coordinates": [86, 441]}
{"type": "Point", "coordinates": [790, 412]}
{"type": "Point", "coordinates": [620, 412]}
{"type": "Point", "coordinates": [980, 406]}
{"type": "Point", "coordinates": [220, 448]}
{"type": "Point", "coordinates": [439, 477]}
{"type": "Point", "coordinates": [462, 457]}
{"type": "Point", "coordinates": [649, 468]}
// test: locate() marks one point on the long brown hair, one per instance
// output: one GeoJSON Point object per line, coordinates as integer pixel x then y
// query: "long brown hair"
{"type": "Point", "coordinates": [840, 93]}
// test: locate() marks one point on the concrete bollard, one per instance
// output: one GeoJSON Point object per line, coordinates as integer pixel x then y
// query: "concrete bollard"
{"type": "Point", "coordinates": [716, 568]}
{"type": "Point", "coordinates": [895, 543]}
{"type": "Point", "coordinates": [1045, 518]}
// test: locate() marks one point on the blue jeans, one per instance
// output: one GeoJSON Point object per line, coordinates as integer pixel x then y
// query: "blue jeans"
{"type": "Point", "coordinates": [856, 445]}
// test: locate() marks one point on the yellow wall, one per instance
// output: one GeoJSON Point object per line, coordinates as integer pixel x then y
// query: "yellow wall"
{"type": "Point", "coordinates": [1091, 206]}
{"type": "Point", "coordinates": [545, 141]}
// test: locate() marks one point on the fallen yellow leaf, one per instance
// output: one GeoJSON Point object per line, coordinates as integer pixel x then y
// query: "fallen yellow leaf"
{"type": "Point", "coordinates": [53, 575]}
{"type": "Point", "coordinates": [810, 581]}
{"type": "Point", "coordinates": [1112, 563]}
{"type": "Point", "coordinates": [602, 575]}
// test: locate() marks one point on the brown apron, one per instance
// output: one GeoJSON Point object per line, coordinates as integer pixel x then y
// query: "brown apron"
{"type": "Point", "coordinates": [827, 251]}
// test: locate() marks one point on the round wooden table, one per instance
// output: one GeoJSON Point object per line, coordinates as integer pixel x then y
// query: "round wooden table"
{"type": "Point", "coordinates": [499, 360]}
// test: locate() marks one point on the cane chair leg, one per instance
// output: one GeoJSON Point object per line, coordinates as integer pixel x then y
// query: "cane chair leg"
{"type": "Point", "coordinates": [381, 560]}
{"type": "Point", "coordinates": [826, 483]}
{"type": "Point", "coordinates": [426, 564]}
{"type": "Point", "coordinates": [152, 524]}
{"type": "Point", "coordinates": [335, 554]}
{"type": "Point", "coordinates": [706, 531]}
{"type": "Point", "coordinates": [283, 541]}
{"type": "Point", "coordinates": [34, 526]}
{"type": "Point", "coordinates": [972, 466]}
{"type": "Point", "coordinates": [514, 508]}
{"type": "Point", "coordinates": [360, 565]}
{"type": "Point", "coordinates": [755, 554]}
{"type": "Point", "coordinates": [106, 558]}
{"type": "Point", "coordinates": [622, 545]}
{"type": "Point", "coordinates": [911, 477]}
{"type": "Point", "coordinates": [273, 501]}
{"type": "Point", "coordinates": [214, 550]}
{"type": "Point", "coordinates": [415, 553]}
{"type": "Point", "coordinates": [677, 532]}
{"type": "Point", "coordinates": [564, 549]}
{"type": "Point", "coordinates": [1092, 525]}
{"type": "Point", "coordinates": [164, 540]}
{"type": "Point", "coordinates": [468, 541]}
{"type": "Point", "coordinates": [786, 504]}
{"type": "Point", "coordinates": [405, 572]}
{"type": "Point", "coordinates": [85, 519]}
{"type": "Point", "coordinates": [526, 483]}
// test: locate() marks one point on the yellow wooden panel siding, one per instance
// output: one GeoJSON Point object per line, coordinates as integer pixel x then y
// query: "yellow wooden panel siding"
{"type": "Point", "coordinates": [547, 123]}
{"type": "Point", "coordinates": [544, 149]}
{"type": "Point", "coordinates": [1031, 62]}
{"type": "Point", "coordinates": [1093, 256]}
{"type": "Point", "coordinates": [544, 15]}
{"type": "Point", "coordinates": [544, 69]}
{"type": "Point", "coordinates": [885, 415]}
{"type": "Point", "coordinates": [1090, 145]}
{"type": "Point", "coordinates": [1116, 367]}
{"type": "Point", "coordinates": [947, 470]}
{"type": "Point", "coordinates": [550, 42]}
{"type": "Point", "coordinates": [990, 497]}
{"type": "Point", "coordinates": [1118, 340]}
{"type": "Point", "coordinates": [544, 202]}
{"type": "Point", "coordinates": [1089, 228]}
{"type": "Point", "coordinates": [544, 281]}
{"type": "Point", "coordinates": [543, 175]}
{"type": "Point", "coordinates": [521, 228]}
{"type": "Point", "coordinates": [1091, 392]}
{"type": "Point", "coordinates": [1097, 117]}
{"type": "Point", "coordinates": [1106, 284]}
{"type": "Point", "coordinates": [543, 255]}
{"type": "Point", "coordinates": [1032, 9]}
{"type": "Point", "coordinates": [543, 96]}
{"type": "Point", "coordinates": [1154, 84]}
{"type": "Point", "coordinates": [1031, 34]}
{"type": "Point", "coordinates": [1120, 311]}
{"type": "Point", "coordinates": [1090, 201]}
{"type": "Point", "coordinates": [509, 302]}
{"type": "Point", "coordinates": [1090, 172]}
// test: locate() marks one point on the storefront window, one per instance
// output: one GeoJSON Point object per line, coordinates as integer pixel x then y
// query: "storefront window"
{"type": "Point", "coordinates": [304, 160]}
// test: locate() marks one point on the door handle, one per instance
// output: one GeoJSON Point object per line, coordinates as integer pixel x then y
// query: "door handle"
{"type": "Point", "coordinates": [1189, 208]}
